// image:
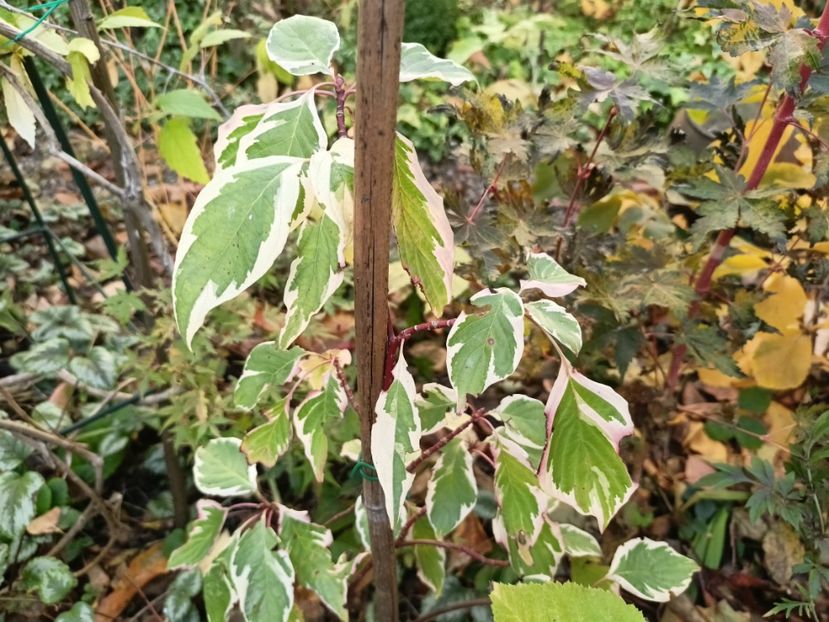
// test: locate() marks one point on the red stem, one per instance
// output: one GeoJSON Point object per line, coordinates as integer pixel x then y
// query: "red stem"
{"type": "Point", "coordinates": [502, 563]}
{"type": "Point", "coordinates": [396, 342]}
{"type": "Point", "coordinates": [489, 190]}
{"type": "Point", "coordinates": [443, 442]}
{"type": "Point", "coordinates": [341, 94]}
{"type": "Point", "coordinates": [782, 118]}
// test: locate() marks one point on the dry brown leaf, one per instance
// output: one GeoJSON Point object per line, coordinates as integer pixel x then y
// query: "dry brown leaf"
{"type": "Point", "coordinates": [45, 523]}
{"type": "Point", "coordinates": [783, 550]}
{"type": "Point", "coordinates": [699, 442]}
{"type": "Point", "coordinates": [142, 569]}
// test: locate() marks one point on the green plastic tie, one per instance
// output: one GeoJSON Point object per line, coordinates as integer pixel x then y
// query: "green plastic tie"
{"type": "Point", "coordinates": [364, 470]}
{"type": "Point", "coordinates": [50, 7]}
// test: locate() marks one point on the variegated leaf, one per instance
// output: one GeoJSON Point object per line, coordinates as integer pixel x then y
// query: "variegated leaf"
{"type": "Point", "coordinates": [395, 440]}
{"type": "Point", "coordinates": [330, 180]}
{"type": "Point", "coordinates": [540, 560]}
{"type": "Point", "coordinates": [524, 424]}
{"type": "Point", "coordinates": [267, 365]}
{"type": "Point", "coordinates": [435, 405]}
{"type": "Point", "coordinates": [220, 469]}
{"type": "Point", "coordinates": [452, 490]}
{"type": "Point", "coordinates": [17, 506]}
{"type": "Point", "coordinates": [548, 276]}
{"type": "Point", "coordinates": [201, 536]}
{"type": "Point", "coordinates": [265, 443]}
{"type": "Point", "coordinates": [303, 45]}
{"type": "Point", "coordinates": [417, 62]}
{"type": "Point", "coordinates": [424, 237]}
{"type": "Point", "coordinates": [431, 560]}
{"type": "Point", "coordinates": [579, 543]}
{"type": "Point", "coordinates": [583, 466]}
{"type": "Point", "coordinates": [556, 322]}
{"type": "Point", "coordinates": [521, 503]}
{"type": "Point", "coordinates": [310, 419]}
{"type": "Point", "coordinates": [485, 348]}
{"type": "Point", "coordinates": [651, 570]}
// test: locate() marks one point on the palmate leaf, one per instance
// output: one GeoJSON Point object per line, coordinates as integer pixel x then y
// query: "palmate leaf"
{"type": "Point", "coordinates": [485, 348]}
{"type": "Point", "coordinates": [303, 45]}
{"type": "Point", "coordinates": [651, 570]}
{"type": "Point", "coordinates": [220, 469]}
{"type": "Point", "coordinates": [424, 237]}
{"type": "Point", "coordinates": [583, 467]}
{"type": "Point", "coordinates": [310, 419]}
{"type": "Point", "coordinates": [201, 536]}
{"type": "Point", "coordinates": [267, 366]}
{"type": "Point", "coordinates": [794, 49]}
{"type": "Point", "coordinates": [452, 490]}
{"type": "Point", "coordinates": [309, 547]}
{"type": "Point", "coordinates": [395, 440]}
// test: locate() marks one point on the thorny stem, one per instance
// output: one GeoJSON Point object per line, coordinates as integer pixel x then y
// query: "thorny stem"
{"type": "Point", "coordinates": [443, 442]}
{"type": "Point", "coordinates": [396, 342]}
{"type": "Point", "coordinates": [782, 118]}
{"type": "Point", "coordinates": [502, 563]}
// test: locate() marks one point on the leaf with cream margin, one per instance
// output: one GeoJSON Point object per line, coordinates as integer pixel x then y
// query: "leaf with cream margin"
{"type": "Point", "coordinates": [309, 547]}
{"type": "Point", "coordinates": [303, 45]}
{"type": "Point", "coordinates": [201, 535]}
{"type": "Point", "coordinates": [220, 469]}
{"type": "Point", "coordinates": [331, 181]}
{"type": "Point", "coordinates": [266, 443]}
{"type": "Point", "coordinates": [436, 406]}
{"type": "Point", "coordinates": [547, 275]}
{"type": "Point", "coordinates": [417, 62]}
{"type": "Point", "coordinates": [452, 490]}
{"type": "Point", "coordinates": [20, 116]}
{"type": "Point", "coordinates": [311, 418]}
{"type": "Point", "coordinates": [395, 440]}
{"type": "Point", "coordinates": [267, 365]}
{"type": "Point", "coordinates": [424, 236]}
{"type": "Point", "coordinates": [485, 348]}
{"type": "Point", "coordinates": [235, 231]}
{"type": "Point", "coordinates": [556, 322]}
{"type": "Point", "coordinates": [651, 570]}
{"type": "Point", "coordinates": [431, 560]}
{"type": "Point", "coordinates": [583, 467]}
{"type": "Point", "coordinates": [579, 543]}
{"type": "Point", "coordinates": [525, 424]}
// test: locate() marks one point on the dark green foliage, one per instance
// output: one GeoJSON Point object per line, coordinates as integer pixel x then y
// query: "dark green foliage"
{"type": "Point", "coordinates": [432, 23]}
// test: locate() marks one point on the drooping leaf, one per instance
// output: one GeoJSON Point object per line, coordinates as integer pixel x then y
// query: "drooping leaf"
{"type": "Point", "coordinates": [310, 419]}
{"type": "Point", "coordinates": [303, 45]}
{"type": "Point", "coordinates": [17, 505]}
{"type": "Point", "coordinates": [557, 323]}
{"type": "Point", "coordinates": [201, 535]}
{"type": "Point", "coordinates": [431, 560]}
{"type": "Point", "coordinates": [128, 17]}
{"type": "Point", "coordinates": [220, 469]}
{"type": "Point", "coordinates": [485, 348]}
{"type": "Point", "coordinates": [417, 62]}
{"type": "Point", "coordinates": [452, 491]}
{"type": "Point", "coordinates": [548, 276]}
{"type": "Point", "coordinates": [545, 602]}
{"type": "Point", "coordinates": [267, 365]}
{"type": "Point", "coordinates": [331, 180]}
{"type": "Point", "coordinates": [20, 116]}
{"type": "Point", "coordinates": [49, 577]}
{"type": "Point", "coordinates": [583, 467]}
{"type": "Point", "coordinates": [395, 440]}
{"type": "Point", "coordinates": [309, 546]}
{"type": "Point", "coordinates": [651, 570]}
{"type": "Point", "coordinates": [579, 543]}
{"type": "Point", "coordinates": [82, 52]}
{"type": "Point", "coordinates": [179, 147]}
{"type": "Point", "coordinates": [424, 236]}
{"type": "Point", "coordinates": [265, 443]}
{"type": "Point", "coordinates": [262, 577]}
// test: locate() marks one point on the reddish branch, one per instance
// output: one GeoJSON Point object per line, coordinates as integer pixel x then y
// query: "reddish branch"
{"type": "Point", "coordinates": [341, 94]}
{"type": "Point", "coordinates": [782, 118]}
{"type": "Point", "coordinates": [407, 527]}
{"type": "Point", "coordinates": [443, 442]}
{"type": "Point", "coordinates": [490, 189]}
{"type": "Point", "coordinates": [349, 394]}
{"type": "Point", "coordinates": [396, 342]}
{"type": "Point", "coordinates": [502, 563]}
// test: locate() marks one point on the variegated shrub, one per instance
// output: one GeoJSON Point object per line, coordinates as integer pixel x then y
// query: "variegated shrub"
{"type": "Point", "coordinates": [280, 183]}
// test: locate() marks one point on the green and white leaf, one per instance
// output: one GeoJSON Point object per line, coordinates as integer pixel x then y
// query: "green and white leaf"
{"type": "Point", "coordinates": [220, 469]}
{"type": "Point", "coordinates": [452, 490]}
{"type": "Point", "coordinates": [235, 231]}
{"type": "Point", "coordinates": [179, 147]}
{"type": "Point", "coordinates": [219, 595]}
{"type": "Point", "coordinates": [436, 406]}
{"type": "Point", "coordinates": [539, 561]}
{"type": "Point", "coordinates": [310, 419]}
{"type": "Point", "coordinates": [583, 466]}
{"type": "Point", "coordinates": [330, 180]}
{"type": "Point", "coordinates": [309, 546]}
{"type": "Point", "coordinates": [651, 570]}
{"type": "Point", "coordinates": [579, 543]}
{"type": "Point", "coordinates": [44, 358]}
{"type": "Point", "coordinates": [267, 366]}
{"type": "Point", "coordinates": [570, 602]}
{"type": "Point", "coordinates": [17, 507]}
{"type": "Point", "coordinates": [547, 275]}
{"type": "Point", "coordinates": [417, 62]}
{"type": "Point", "coordinates": [430, 560]}
{"type": "Point", "coordinates": [556, 322]}
{"type": "Point", "coordinates": [361, 523]}
{"type": "Point", "coordinates": [395, 440]}
{"type": "Point", "coordinates": [49, 577]}
{"type": "Point", "coordinates": [303, 45]}
{"type": "Point", "coordinates": [525, 424]}
{"type": "Point", "coordinates": [521, 502]}
{"type": "Point", "coordinates": [266, 443]}
{"type": "Point", "coordinates": [80, 612]}
{"type": "Point", "coordinates": [424, 237]}
{"type": "Point", "coordinates": [485, 348]}
{"type": "Point", "coordinates": [241, 123]}
{"type": "Point", "coordinates": [99, 369]}
{"type": "Point", "coordinates": [262, 577]}
{"type": "Point", "coordinates": [12, 451]}
{"type": "Point", "coordinates": [222, 35]}
{"type": "Point", "coordinates": [201, 536]}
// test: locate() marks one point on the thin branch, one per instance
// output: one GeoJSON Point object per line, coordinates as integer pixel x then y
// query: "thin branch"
{"type": "Point", "coordinates": [443, 442]}
{"type": "Point", "coordinates": [396, 341]}
{"type": "Point", "coordinates": [149, 400]}
{"type": "Point", "coordinates": [453, 546]}
{"type": "Point", "coordinates": [349, 394]}
{"type": "Point", "coordinates": [407, 526]}
{"type": "Point", "coordinates": [466, 604]}
{"type": "Point", "coordinates": [491, 188]}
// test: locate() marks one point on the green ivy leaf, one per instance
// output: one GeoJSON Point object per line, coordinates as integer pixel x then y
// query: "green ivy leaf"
{"type": "Point", "coordinates": [651, 570]}
{"type": "Point", "coordinates": [452, 490]}
{"type": "Point", "coordinates": [201, 536]}
{"type": "Point", "coordinates": [303, 45]}
{"type": "Point", "coordinates": [49, 577]}
{"type": "Point", "coordinates": [12, 451]}
{"type": "Point", "coordinates": [220, 469]}
{"type": "Point", "coordinates": [267, 366]}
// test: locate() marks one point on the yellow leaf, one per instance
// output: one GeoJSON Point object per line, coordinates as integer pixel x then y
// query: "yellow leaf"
{"type": "Point", "coordinates": [597, 9]}
{"type": "Point", "coordinates": [788, 175]}
{"type": "Point", "coordinates": [786, 304]}
{"type": "Point", "coordinates": [740, 265]}
{"type": "Point", "coordinates": [85, 46]}
{"type": "Point", "coordinates": [781, 424]}
{"type": "Point", "coordinates": [759, 132]}
{"type": "Point", "coordinates": [778, 361]}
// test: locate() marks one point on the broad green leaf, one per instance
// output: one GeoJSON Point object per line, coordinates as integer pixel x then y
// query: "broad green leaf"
{"type": "Point", "coordinates": [222, 35]}
{"type": "Point", "coordinates": [99, 369]}
{"type": "Point", "coordinates": [220, 469]}
{"type": "Point", "coordinates": [265, 443]}
{"type": "Point", "coordinates": [186, 103]}
{"type": "Point", "coordinates": [235, 231]}
{"type": "Point", "coordinates": [424, 237]}
{"type": "Point", "coordinates": [547, 275]}
{"type": "Point", "coordinates": [564, 602]}
{"type": "Point", "coordinates": [524, 424]}
{"type": "Point", "coordinates": [45, 358]}
{"type": "Point", "coordinates": [651, 570]}
{"type": "Point", "coordinates": [579, 543]}
{"type": "Point", "coordinates": [303, 45]}
{"type": "Point", "coordinates": [201, 536]}
{"type": "Point", "coordinates": [417, 62]}
{"type": "Point", "coordinates": [80, 612]}
{"type": "Point", "coordinates": [49, 577]}
{"type": "Point", "coordinates": [261, 577]}
{"type": "Point", "coordinates": [310, 419]}
{"type": "Point", "coordinates": [309, 546]}
{"type": "Point", "coordinates": [128, 17]}
{"type": "Point", "coordinates": [556, 322]}
{"type": "Point", "coordinates": [485, 348]}
{"type": "Point", "coordinates": [17, 505]}
{"type": "Point", "coordinates": [434, 404]}
{"type": "Point", "coordinates": [431, 560]}
{"type": "Point", "coordinates": [179, 147]}
{"type": "Point", "coordinates": [452, 490]}
{"type": "Point", "coordinates": [395, 440]}
{"type": "Point", "coordinates": [12, 451]}
{"type": "Point", "coordinates": [583, 467]}
{"type": "Point", "coordinates": [267, 366]}
{"type": "Point", "coordinates": [20, 116]}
